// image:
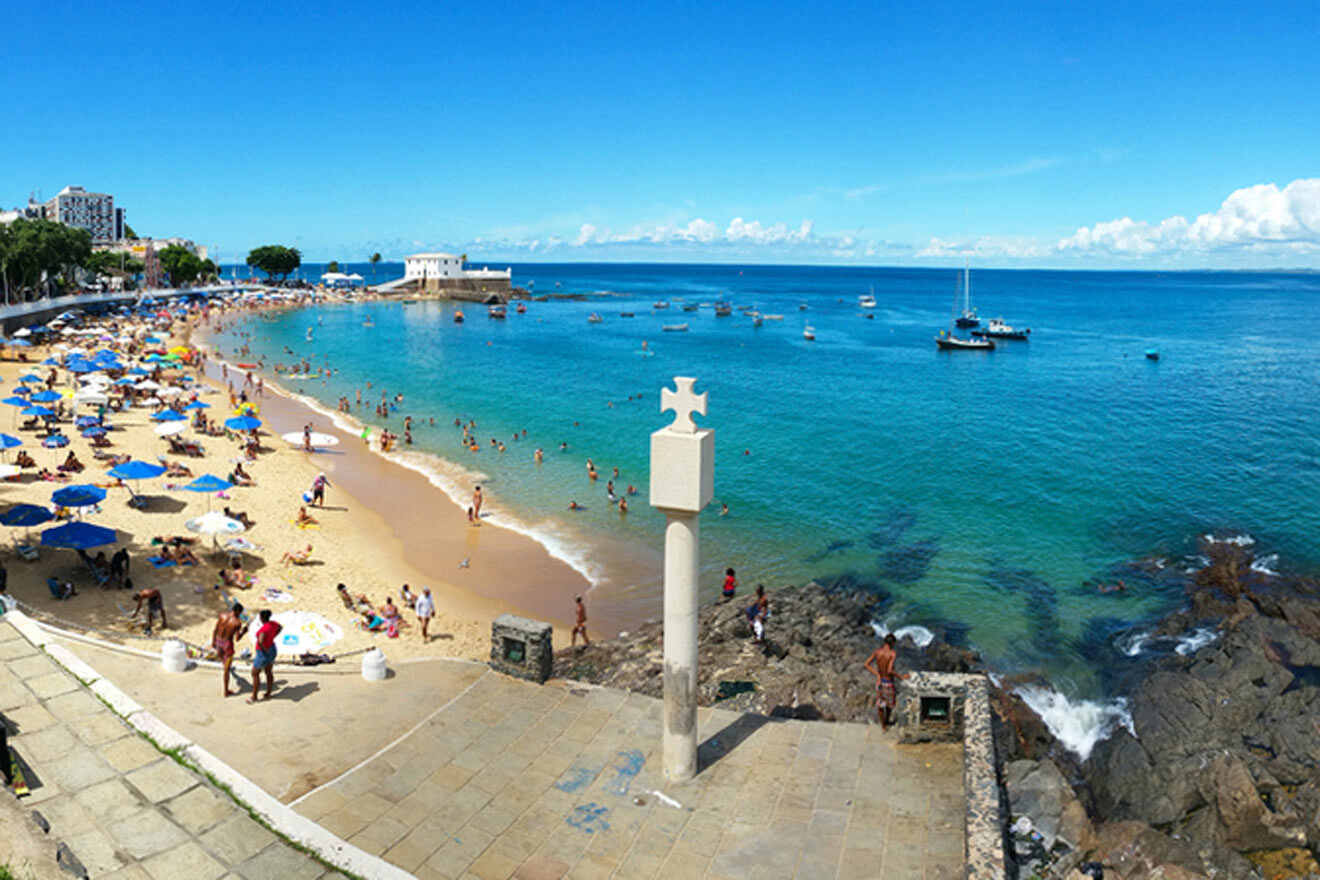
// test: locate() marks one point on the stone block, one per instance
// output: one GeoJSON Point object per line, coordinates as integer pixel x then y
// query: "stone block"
{"type": "Point", "coordinates": [522, 647]}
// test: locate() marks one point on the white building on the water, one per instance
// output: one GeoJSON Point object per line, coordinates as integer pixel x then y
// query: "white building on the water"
{"type": "Point", "coordinates": [447, 267]}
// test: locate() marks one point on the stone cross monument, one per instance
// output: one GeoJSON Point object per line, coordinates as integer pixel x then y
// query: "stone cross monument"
{"type": "Point", "coordinates": [682, 484]}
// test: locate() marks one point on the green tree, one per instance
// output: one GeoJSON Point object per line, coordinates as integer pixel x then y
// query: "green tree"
{"type": "Point", "coordinates": [333, 266]}
{"type": "Point", "coordinates": [275, 260]}
{"type": "Point", "coordinates": [375, 259]}
{"type": "Point", "coordinates": [180, 264]}
{"type": "Point", "coordinates": [129, 233]}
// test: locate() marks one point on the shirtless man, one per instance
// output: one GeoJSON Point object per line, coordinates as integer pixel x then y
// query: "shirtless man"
{"type": "Point", "coordinates": [581, 626]}
{"type": "Point", "coordinates": [155, 604]}
{"type": "Point", "coordinates": [229, 629]}
{"type": "Point", "coordinates": [881, 664]}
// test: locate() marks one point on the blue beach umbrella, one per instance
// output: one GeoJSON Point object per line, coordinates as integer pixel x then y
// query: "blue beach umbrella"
{"type": "Point", "coordinates": [30, 377]}
{"type": "Point", "coordinates": [46, 396]}
{"type": "Point", "coordinates": [168, 415]}
{"type": "Point", "coordinates": [136, 470]}
{"type": "Point", "coordinates": [208, 483]}
{"type": "Point", "coordinates": [81, 495]}
{"type": "Point", "coordinates": [26, 515]}
{"type": "Point", "coordinates": [15, 401]}
{"type": "Point", "coordinates": [138, 371]}
{"type": "Point", "coordinates": [20, 342]}
{"type": "Point", "coordinates": [86, 421]}
{"type": "Point", "coordinates": [197, 404]}
{"type": "Point", "coordinates": [50, 362]}
{"type": "Point", "coordinates": [8, 442]}
{"type": "Point", "coordinates": [55, 441]}
{"type": "Point", "coordinates": [243, 423]}
{"type": "Point", "coordinates": [93, 431]}
{"type": "Point", "coordinates": [39, 411]}
{"type": "Point", "coordinates": [83, 367]}
{"type": "Point", "coordinates": [78, 536]}
{"type": "Point", "coordinates": [124, 380]}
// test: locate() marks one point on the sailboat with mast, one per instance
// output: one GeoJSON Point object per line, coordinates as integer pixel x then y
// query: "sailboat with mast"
{"type": "Point", "coordinates": [968, 318]}
{"type": "Point", "coordinates": [948, 341]}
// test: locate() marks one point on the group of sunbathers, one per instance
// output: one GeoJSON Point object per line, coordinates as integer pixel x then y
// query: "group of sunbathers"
{"type": "Point", "coordinates": [370, 617]}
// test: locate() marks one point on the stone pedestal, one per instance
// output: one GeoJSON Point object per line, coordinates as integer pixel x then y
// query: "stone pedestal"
{"type": "Point", "coordinates": [522, 647]}
{"type": "Point", "coordinates": [682, 483]}
{"type": "Point", "coordinates": [931, 707]}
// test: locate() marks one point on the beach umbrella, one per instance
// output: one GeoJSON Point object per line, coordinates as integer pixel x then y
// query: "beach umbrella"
{"type": "Point", "coordinates": [50, 362]}
{"type": "Point", "coordinates": [169, 429]}
{"type": "Point", "coordinates": [9, 470]}
{"type": "Point", "coordinates": [23, 331]}
{"type": "Point", "coordinates": [8, 442]}
{"type": "Point", "coordinates": [30, 377]}
{"type": "Point", "coordinates": [138, 371]}
{"type": "Point", "coordinates": [197, 404]}
{"type": "Point", "coordinates": [80, 495]}
{"type": "Point", "coordinates": [147, 385]}
{"type": "Point", "coordinates": [26, 515]}
{"type": "Point", "coordinates": [317, 440]}
{"type": "Point", "coordinates": [39, 411]}
{"type": "Point", "coordinates": [215, 524]}
{"type": "Point", "coordinates": [55, 441]}
{"type": "Point", "coordinates": [171, 391]}
{"type": "Point", "coordinates": [124, 380]}
{"type": "Point", "coordinates": [168, 415]}
{"type": "Point", "coordinates": [137, 470]}
{"type": "Point", "coordinates": [93, 431]}
{"type": "Point", "coordinates": [207, 483]}
{"type": "Point", "coordinates": [78, 536]}
{"type": "Point", "coordinates": [86, 421]}
{"type": "Point", "coordinates": [242, 423]}
{"type": "Point", "coordinates": [83, 367]}
{"type": "Point", "coordinates": [21, 343]}
{"type": "Point", "coordinates": [46, 396]}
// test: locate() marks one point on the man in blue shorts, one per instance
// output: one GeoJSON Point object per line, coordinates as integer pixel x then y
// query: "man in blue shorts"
{"type": "Point", "coordinates": [264, 656]}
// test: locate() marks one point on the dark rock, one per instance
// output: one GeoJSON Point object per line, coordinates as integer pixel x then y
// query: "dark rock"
{"type": "Point", "coordinates": [1037, 790]}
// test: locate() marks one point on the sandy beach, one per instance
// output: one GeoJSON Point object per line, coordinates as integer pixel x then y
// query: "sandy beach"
{"type": "Point", "coordinates": [373, 509]}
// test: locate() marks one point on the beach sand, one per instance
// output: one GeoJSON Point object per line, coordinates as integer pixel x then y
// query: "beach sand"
{"type": "Point", "coordinates": [357, 543]}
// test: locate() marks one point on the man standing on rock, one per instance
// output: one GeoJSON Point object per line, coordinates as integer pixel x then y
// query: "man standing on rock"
{"type": "Point", "coordinates": [881, 663]}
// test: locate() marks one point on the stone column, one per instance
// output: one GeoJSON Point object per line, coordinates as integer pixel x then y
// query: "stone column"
{"type": "Point", "coordinates": [682, 484]}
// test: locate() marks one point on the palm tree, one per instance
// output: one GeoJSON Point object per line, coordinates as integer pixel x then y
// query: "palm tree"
{"type": "Point", "coordinates": [375, 258]}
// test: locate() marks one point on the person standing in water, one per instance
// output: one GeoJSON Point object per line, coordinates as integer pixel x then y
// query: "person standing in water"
{"type": "Point", "coordinates": [476, 503]}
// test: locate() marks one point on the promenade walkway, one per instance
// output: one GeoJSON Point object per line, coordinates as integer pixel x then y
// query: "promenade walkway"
{"type": "Point", "coordinates": [448, 770]}
{"type": "Point", "coordinates": [123, 808]}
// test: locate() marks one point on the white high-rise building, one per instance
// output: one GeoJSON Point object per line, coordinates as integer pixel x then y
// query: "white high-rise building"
{"type": "Point", "coordinates": [95, 212]}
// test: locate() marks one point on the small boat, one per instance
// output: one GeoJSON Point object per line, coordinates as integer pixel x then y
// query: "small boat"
{"type": "Point", "coordinates": [948, 342]}
{"type": "Point", "coordinates": [1152, 354]}
{"type": "Point", "coordinates": [674, 328]}
{"type": "Point", "coordinates": [870, 316]}
{"type": "Point", "coordinates": [809, 333]}
{"type": "Point", "coordinates": [308, 334]}
{"type": "Point", "coordinates": [690, 307]}
{"type": "Point", "coordinates": [458, 317]}
{"type": "Point", "coordinates": [746, 308]}
{"type": "Point", "coordinates": [866, 301]}
{"type": "Point", "coordinates": [757, 320]}
{"type": "Point", "coordinates": [595, 318]}
{"type": "Point", "coordinates": [661, 305]}
{"type": "Point", "coordinates": [997, 329]}
{"type": "Point", "coordinates": [521, 309]}
{"type": "Point", "coordinates": [968, 318]}
{"type": "Point", "coordinates": [627, 315]}
{"type": "Point", "coordinates": [723, 310]}
{"type": "Point", "coordinates": [774, 317]}
{"type": "Point", "coordinates": [499, 312]}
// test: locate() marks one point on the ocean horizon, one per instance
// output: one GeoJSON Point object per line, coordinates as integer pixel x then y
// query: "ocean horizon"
{"type": "Point", "coordinates": [992, 495]}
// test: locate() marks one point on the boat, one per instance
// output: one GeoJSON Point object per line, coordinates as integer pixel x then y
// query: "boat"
{"type": "Point", "coordinates": [521, 309]}
{"type": "Point", "coordinates": [809, 333]}
{"type": "Point", "coordinates": [627, 315]}
{"type": "Point", "coordinates": [968, 317]}
{"type": "Point", "coordinates": [1152, 354]}
{"type": "Point", "coordinates": [595, 318]}
{"type": "Point", "coordinates": [690, 307]}
{"type": "Point", "coordinates": [774, 317]}
{"type": "Point", "coordinates": [674, 328]}
{"type": "Point", "coordinates": [997, 329]}
{"type": "Point", "coordinates": [308, 334]}
{"type": "Point", "coordinates": [723, 309]}
{"type": "Point", "coordinates": [458, 317]}
{"type": "Point", "coordinates": [866, 301]}
{"type": "Point", "coordinates": [499, 312]}
{"type": "Point", "coordinates": [946, 341]}
{"type": "Point", "coordinates": [870, 316]}
{"type": "Point", "coordinates": [661, 305]}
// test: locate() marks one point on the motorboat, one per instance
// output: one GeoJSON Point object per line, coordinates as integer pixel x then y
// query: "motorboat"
{"type": "Point", "coordinates": [595, 318]}
{"type": "Point", "coordinates": [1152, 354]}
{"type": "Point", "coordinates": [723, 309]}
{"type": "Point", "coordinates": [809, 333]}
{"type": "Point", "coordinates": [802, 307]}
{"type": "Point", "coordinates": [500, 312]}
{"type": "Point", "coordinates": [674, 328]}
{"type": "Point", "coordinates": [774, 317]}
{"type": "Point", "coordinates": [661, 305]}
{"type": "Point", "coordinates": [997, 329]}
{"type": "Point", "coordinates": [627, 315]}
{"type": "Point", "coordinates": [756, 319]}
{"type": "Point", "coordinates": [946, 341]}
{"type": "Point", "coordinates": [866, 301]}
{"type": "Point", "coordinates": [870, 316]}
{"type": "Point", "coordinates": [690, 307]}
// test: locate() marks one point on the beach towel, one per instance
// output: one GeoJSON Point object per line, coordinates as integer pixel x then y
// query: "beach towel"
{"type": "Point", "coordinates": [160, 562]}
{"type": "Point", "coordinates": [275, 594]}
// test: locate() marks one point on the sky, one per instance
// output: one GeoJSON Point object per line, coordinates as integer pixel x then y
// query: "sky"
{"type": "Point", "coordinates": [1117, 135]}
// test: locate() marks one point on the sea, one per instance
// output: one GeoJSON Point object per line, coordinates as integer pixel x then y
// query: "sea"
{"type": "Point", "coordinates": [994, 497]}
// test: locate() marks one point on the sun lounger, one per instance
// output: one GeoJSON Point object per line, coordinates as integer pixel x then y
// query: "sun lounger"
{"type": "Point", "coordinates": [27, 552]}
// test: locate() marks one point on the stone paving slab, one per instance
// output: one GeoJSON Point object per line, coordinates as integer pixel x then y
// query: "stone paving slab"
{"type": "Point", "coordinates": [125, 809]}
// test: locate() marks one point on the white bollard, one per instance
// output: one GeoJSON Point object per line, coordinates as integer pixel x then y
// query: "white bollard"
{"type": "Point", "coordinates": [373, 665]}
{"type": "Point", "coordinates": [174, 656]}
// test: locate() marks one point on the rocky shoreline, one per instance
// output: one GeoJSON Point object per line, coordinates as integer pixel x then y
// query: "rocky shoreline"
{"type": "Point", "coordinates": [1217, 777]}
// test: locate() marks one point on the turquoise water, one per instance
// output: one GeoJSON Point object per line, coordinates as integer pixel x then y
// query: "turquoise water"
{"type": "Point", "coordinates": [988, 492]}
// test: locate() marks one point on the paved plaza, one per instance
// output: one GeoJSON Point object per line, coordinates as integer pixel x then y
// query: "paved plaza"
{"type": "Point", "coordinates": [124, 809]}
{"type": "Point", "coordinates": [449, 770]}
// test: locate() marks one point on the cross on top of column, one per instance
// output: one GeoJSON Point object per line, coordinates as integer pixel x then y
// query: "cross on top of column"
{"type": "Point", "coordinates": [684, 402]}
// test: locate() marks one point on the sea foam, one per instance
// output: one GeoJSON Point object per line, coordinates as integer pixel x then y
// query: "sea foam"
{"type": "Point", "coordinates": [919, 635]}
{"type": "Point", "coordinates": [1077, 725]}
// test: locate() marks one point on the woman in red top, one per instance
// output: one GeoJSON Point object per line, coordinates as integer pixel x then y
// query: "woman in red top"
{"type": "Point", "coordinates": [264, 656]}
{"type": "Point", "coordinates": [730, 583]}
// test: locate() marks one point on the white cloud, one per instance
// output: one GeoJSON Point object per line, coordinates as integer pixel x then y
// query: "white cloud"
{"type": "Point", "coordinates": [1255, 218]}
{"type": "Point", "coordinates": [779, 233]}
{"type": "Point", "coordinates": [982, 247]}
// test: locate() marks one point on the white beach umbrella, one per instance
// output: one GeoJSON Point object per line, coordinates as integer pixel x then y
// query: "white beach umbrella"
{"type": "Point", "coordinates": [147, 385]}
{"type": "Point", "coordinates": [215, 523]}
{"type": "Point", "coordinates": [22, 331]}
{"type": "Point", "coordinates": [169, 392]}
{"type": "Point", "coordinates": [90, 398]}
{"type": "Point", "coordinates": [317, 440]}
{"type": "Point", "coordinates": [9, 470]}
{"type": "Point", "coordinates": [169, 429]}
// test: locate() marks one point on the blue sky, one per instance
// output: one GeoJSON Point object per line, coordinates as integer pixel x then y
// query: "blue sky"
{"type": "Point", "coordinates": [1124, 134]}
